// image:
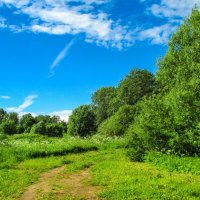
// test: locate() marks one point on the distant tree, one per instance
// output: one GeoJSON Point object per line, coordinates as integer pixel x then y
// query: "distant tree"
{"type": "Point", "coordinates": [82, 121]}
{"type": "Point", "coordinates": [101, 101]}
{"type": "Point", "coordinates": [19, 129]}
{"type": "Point", "coordinates": [3, 113]}
{"type": "Point", "coordinates": [44, 118]}
{"type": "Point", "coordinates": [13, 116]}
{"type": "Point", "coordinates": [39, 128]}
{"type": "Point", "coordinates": [136, 85]}
{"type": "Point", "coordinates": [54, 130]}
{"type": "Point", "coordinates": [8, 127]}
{"type": "Point", "coordinates": [27, 121]}
{"type": "Point", "coordinates": [55, 119]}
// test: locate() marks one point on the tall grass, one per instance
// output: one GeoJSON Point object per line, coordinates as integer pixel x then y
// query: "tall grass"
{"type": "Point", "coordinates": [174, 163]}
{"type": "Point", "coordinates": [18, 148]}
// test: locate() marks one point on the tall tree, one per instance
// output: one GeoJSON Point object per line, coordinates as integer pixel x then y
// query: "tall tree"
{"type": "Point", "coordinates": [82, 122]}
{"type": "Point", "coordinates": [101, 101]}
{"type": "Point", "coordinates": [27, 122]}
{"type": "Point", "coordinates": [2, 114]}
{"type": "Point", "coordinates": [136, 85]}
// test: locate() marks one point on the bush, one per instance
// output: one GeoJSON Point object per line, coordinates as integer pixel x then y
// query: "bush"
{"type": "Point", "coordinates": [49, 129]}
{"type": "Point", "coordinates": [117, 124]}
{"type": "Point", "coordinates": [39, 128]}
{"type": "Point", "coordinates": [54, 130]}
{"type": "Point", "coordinates": [174, 163]}
{"type": "Point", "coordinates": [8, 127]}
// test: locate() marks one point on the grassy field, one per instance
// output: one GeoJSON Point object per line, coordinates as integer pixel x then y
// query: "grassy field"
{"type": "Point", "coordinates": [25, 157]}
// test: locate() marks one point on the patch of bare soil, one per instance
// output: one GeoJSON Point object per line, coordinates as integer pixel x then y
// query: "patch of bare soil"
{"type": "Point", "coordinates": [59, 185]}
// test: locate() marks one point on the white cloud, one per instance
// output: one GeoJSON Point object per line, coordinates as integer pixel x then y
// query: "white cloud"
{"type": "Point", "coordinates": [60, 57]}
{"type": "Point", "coordinates": [60, 17]}
{"type": "Point", "coordinates": [28, 101]}
{"type": "Point", "coordinates": [157, 35]}
{"type": "Point", "coordinates": [173, 12]}
{"type": "Point", "coordinates": [16, 3]}
{"type": "Point", "coordinates": [64, 114]}
{"type": "Point", "coordinates": [173, 8]}
{"type": "Point", "coordinates": [86, 17]}
{"type": "Point", "coordinates": [5, 97]}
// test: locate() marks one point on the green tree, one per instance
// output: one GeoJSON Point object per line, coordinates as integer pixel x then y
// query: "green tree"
{"type": "Point", "coordinates": [170, 121]}
{"type": "Point", "coordinates": [8, 127]}
{"type": "Point", "coordinates": [27, 121]}
{"type": "Point", "coordinates": [54, 130]}
{"type": "Point", "coordinates": [137, 84]}
{"type": "Point", "coordinates": [39, 128]}
{"type": "Point", "coordinates": [82, 121]}
{"type": "Point", "coordinates": [13, 116]}
{"type": "Point", "coordinates": [101, 101]}
{"type": "Point", "coordinates": [118, 123]}
{"type": "Point", "coordinates": [44, 118]}
{"type": "Point", "coordinates": [3, 113]}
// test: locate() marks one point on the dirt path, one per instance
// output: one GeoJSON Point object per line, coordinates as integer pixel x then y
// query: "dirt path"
{"type": "Point", "coordinates": [58, 185]}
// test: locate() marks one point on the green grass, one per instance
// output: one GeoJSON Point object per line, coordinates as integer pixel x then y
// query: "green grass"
{"type": "Point", "coordinates": [122, 179]}
{"type": "Point", "coordinates": [24, 157]}
{"type": "Point", "coordinates": [21, 147]}
{"type": "Point", "coordinates": [174, 163]}
{"type": "Point", "coordinates": [160, 177]}
{"type": "Point", "coordinates": [14, 180]}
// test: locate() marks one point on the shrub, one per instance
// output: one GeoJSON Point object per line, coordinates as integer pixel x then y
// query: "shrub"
{"type": "Point", "coordinates": [39, 128]}
{"type": "Point", "coordinates": [54, 130]}
{"type": "Point", "coordinates": [8, 127]}
{"type": "Point", "coordinates": [117, 124]}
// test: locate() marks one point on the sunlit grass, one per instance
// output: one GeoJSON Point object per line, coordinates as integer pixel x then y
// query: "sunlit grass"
{"type": "Point", "coordinates": [123, 179]}
{"type": "Point", "coordinates": [161, 177]}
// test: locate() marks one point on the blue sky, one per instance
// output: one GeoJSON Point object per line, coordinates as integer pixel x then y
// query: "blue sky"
{"type": "Point", "coordinates": [55, 53]}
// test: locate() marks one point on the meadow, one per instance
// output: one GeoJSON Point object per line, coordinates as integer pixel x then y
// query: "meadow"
{"type": "Point", "coordinates": [25, 157]}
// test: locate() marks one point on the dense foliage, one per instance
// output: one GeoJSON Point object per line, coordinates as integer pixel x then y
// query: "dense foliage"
{"type": "Point", "coordinates": [82, 121]}
{"type": "Point", "coordinates": [101, 102]}
{"type": "Point", "coordinates": [118, 123]}
{"type": "Point", "coordinates": [137, 84]}
{"type": "Point", "coordinates": [170, 120]}
{"type": "Point", "coordinates": [11, 123]}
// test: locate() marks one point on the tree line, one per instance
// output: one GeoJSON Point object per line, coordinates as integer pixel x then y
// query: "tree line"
{"type": "Point", "coordinates": [155, 113]}
{"type": "Point", "coordinates": [11, 123]}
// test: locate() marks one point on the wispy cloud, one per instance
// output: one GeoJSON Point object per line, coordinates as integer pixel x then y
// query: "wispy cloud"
{"type": "Point", "coordinates": [60, 17]}
{"type": "Point", "coordinates": [28, 101]}
{"type": "Point", "coordinates": [5, 97]}
{"type": "Point", "coordinates": [60, 57]}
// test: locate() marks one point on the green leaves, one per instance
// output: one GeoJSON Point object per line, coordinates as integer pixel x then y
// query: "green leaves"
{"type": "Point", "coordinates": [136, 85]}
{"type": "Point", "coordinates": [82, 121]}
{"type": "Point", "coordinates": [169, 121]}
